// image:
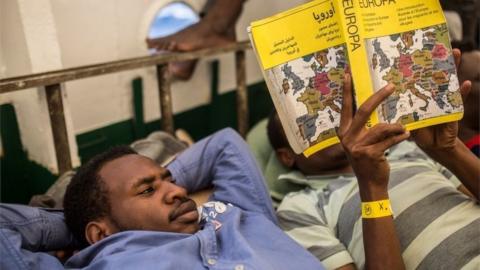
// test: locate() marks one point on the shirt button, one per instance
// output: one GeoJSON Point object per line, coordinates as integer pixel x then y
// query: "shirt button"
{"type": "Point", "coordinates": [239, 267]}
{"type": "Point", "coordinates": [211, 261]}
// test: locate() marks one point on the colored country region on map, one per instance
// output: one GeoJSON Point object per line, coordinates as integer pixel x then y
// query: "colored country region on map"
{"type": "Point", "coordinates": [306, 126]}
{"type": "Point", "coordinates": [326, 81]}
{"type": "Point", "coordinates": [311, 99]}
{"type": "Point", "coordinates": [336, 75]}
{"type": "Point", "coordinates": [407, 39]}
{"type": "Point", "coordinates": [422, 57]}
{"type": "Point", "coordinates": [297, 83]}
{"type": "Point", "coordinates": [341, 59]}
{"type": "Point", "coordinates": [389, 107]}
{"type": "Point", "coordinates": [405, 63]}
{"type": "Point", "coordinates": [440, 77]}
{"type": "Point", "coordinates": [384, 61]}
{"type": "Point", "coordinates": [396, 77]}
{"type": "Point", "coordinates": [441, 35]}
{"type": "Point", "coordinates": [409, 118]}
{"type": "Point", "coordinates": [307, 57]}
{"type": "Point", "coordinates": [447, 65]}
{"type": "Point", "coordinates": [322, 58]}
{"type": "Point", "coordinates": [438, 96]}
{"type": "Point", "coordinates": [321, 83]}
{"type": "Point", "coordinates": [326, 134]}
{"type": "Point", "coordinates": [314, 101]}
{"type": "Point", "coordinates": [439, 52]}
{"type": "Point", "coordinates": [455, 99]}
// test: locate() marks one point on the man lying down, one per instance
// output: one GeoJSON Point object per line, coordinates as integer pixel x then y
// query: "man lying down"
{"type": "Point", "coordinates": [128, 213]}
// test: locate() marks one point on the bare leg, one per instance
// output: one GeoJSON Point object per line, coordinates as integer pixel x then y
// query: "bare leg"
{"type": "Point", "coordinates": [213, 30]}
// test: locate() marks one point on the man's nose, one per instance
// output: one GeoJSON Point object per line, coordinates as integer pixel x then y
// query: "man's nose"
{"type": "Point", "coordinates": [174, 193]}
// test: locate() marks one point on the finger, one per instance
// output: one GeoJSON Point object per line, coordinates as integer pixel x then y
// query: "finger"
{"type": "Point", "coordinates": [465, 89]}
{"type": "Point", "coordinates": [366, 109]}
{"type": "Point", "coordinates": [391, 141]}
{"type": "Point", "coordinates": [382, 131]}
{"type": "Point", "coordinates": [347, 105]}
{"type": "Point", "coordinates": [457, 56]}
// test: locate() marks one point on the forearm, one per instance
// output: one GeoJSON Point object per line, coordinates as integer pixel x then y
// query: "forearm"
{"type": "Point", "coordinates": [463, 163]}
{"type": "Point", "coordinates": [224, 161]}
{"type": "Point", "coordinates": [39, 230]}
{"type": "Point", "coordinates": [223, 14]}
{"type": "Point", "coordinates": [381, 244]}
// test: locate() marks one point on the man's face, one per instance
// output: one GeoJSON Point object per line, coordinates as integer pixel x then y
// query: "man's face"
{"type": "Point", "coordinates": [143, 196]}
{"type": "Point", "coordinates": [328, 160]}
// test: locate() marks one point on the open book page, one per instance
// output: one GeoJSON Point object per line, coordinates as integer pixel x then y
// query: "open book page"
{"type": "Point", "coordinates": [405, 43]}
{"type": "Point", "coordinates": [304, 60]}
{"type": "Point", "coordinates": [421, 65]}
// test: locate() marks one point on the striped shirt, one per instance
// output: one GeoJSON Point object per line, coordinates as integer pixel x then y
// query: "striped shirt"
{"type": "Point", "coordinates": [438, 227]}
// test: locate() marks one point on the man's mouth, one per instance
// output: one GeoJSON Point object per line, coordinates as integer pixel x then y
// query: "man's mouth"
{"type": "Point", "coordinates": [186, 212]}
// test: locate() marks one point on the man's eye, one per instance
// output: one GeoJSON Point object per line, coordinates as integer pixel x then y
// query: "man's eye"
{"type": "Point", "coordinates": [147, 191]}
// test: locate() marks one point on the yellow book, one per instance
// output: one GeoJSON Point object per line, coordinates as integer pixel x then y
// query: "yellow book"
{"type": "Point", "coordinates": [304, 53]}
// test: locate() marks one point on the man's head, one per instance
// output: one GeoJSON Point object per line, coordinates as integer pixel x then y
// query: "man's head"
{"type": "Point", "coordinates": [328, 160]}
{"type": "Point", "coordinates": [120, 190]}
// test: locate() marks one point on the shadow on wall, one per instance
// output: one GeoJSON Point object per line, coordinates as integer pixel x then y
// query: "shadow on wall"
{"type": "Point", "coordinates": [20, 178]}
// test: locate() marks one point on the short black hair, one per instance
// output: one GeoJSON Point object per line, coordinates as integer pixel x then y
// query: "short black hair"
{"type": "Point", "coordinates": [275, 132]}
{"type": "Point", "coordinates": [86, 197]}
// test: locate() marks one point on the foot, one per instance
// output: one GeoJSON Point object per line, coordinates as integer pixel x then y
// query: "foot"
{"type": "Point", "coordinates": [195, 37]}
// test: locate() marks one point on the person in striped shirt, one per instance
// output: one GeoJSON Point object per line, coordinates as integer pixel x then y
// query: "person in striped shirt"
{"type": "Point", "coordinates": [434, 226]}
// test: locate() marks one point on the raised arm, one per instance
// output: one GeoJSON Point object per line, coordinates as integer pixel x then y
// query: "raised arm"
{"type": "Point", "coordinates": [223, 160]}
{"type": "Point", "coordinates": [440, 142]}
{"type": "Point", "coordinates": [365, 149]}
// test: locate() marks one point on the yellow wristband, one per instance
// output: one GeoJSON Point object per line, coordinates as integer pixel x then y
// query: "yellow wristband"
{"type": "Point", "coordinates": [376, 209]}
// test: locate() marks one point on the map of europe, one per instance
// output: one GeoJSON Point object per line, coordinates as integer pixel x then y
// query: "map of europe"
{"type": "Point", "coordinates": [310, 88]}
{"type": "Point", "coordinates": [421, 65]}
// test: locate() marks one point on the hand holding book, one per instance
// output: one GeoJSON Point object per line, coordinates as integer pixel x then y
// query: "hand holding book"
{"type": "Point", "coordinates": [443, 137]}
{"type": "Point", "coordinates": [365, 147]}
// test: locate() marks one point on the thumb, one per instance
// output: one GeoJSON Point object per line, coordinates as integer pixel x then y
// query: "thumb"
{"type": "Point", "coordinates": [465, 89]}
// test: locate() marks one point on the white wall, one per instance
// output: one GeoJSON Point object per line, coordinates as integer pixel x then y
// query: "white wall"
{"type": "Point", "coordinates": [29, 45]}
{"type": "Point", "coordinates": [50, 34]}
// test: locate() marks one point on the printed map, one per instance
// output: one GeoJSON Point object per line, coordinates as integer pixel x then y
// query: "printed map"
{"type": "Point", "coordinates": [310, 88]}
{"type": "Point", "coordinates": [421, 65]}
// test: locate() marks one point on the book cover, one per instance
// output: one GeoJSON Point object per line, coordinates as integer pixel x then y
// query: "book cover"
{"type": "Point", "coordinates": [304, 58]}
{"type": "Point", "coordinates": [405, 43]}
{"type": "Point", "coordinates": [305, 52]}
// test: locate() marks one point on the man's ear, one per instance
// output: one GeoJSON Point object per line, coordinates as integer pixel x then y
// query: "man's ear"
{"type": "Point", "coordinates": [286, 156]}
{"type": "Point", "coordinates": [97, 230]}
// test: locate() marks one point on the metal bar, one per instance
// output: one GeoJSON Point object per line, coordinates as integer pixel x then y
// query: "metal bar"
{"type": "Point", "coordinates": [59, 127]}
{"type": "Point", "coordinates": [242, 95]}
{"type": "Point", "coordinates": [165, 94]}
{"type": "Point", "coordinates": [64, 75]}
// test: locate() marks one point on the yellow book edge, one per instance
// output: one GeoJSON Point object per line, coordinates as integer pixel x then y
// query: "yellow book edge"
{"type": "Point", "coordinates": [411, 126]}
{"type": "Point", "coordinates": [434, 121]}
{"type": "Point", "coordinates": [320, 146]}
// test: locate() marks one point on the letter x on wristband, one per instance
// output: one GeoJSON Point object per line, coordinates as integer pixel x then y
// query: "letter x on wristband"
{"type": "Point", "coordinates": [376, 209]}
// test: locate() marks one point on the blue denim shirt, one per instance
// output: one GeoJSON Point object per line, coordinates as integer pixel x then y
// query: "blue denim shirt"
{"type": "Point", "coordinates": [239, 228]}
